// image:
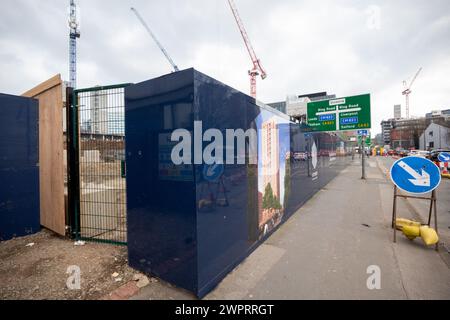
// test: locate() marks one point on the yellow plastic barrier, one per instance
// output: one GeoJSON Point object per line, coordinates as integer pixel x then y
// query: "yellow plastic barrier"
{"type": "Point", "coordinates": [429, 235]}
{"type": "Point", "coordinates": [401, 222]}
{"type": "Point", "coordinates": [411, 232]}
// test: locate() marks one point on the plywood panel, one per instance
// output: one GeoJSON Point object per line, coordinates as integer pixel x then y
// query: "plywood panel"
{"type": "Point", "coordinates": [51, 165]}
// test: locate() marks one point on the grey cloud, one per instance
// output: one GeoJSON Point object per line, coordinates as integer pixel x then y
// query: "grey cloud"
{"type": "Point", "coordinates": [115, 48]}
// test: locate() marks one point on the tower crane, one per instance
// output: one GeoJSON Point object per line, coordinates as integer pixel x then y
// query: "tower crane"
{"type": "Point", "coordinates": [74, 33]}
{"type": "Point", "coordinates": [257, 68]}
{"type": "Point", "coordinates": [408, 91]}
{"type": "Point", "coordinates": [164, 51]}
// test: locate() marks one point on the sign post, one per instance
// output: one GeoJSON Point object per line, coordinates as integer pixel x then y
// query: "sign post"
{"type": "Point", "coordinates": [363, 139]}
{"type": "Point", "coordinates": [415, 175]}
{"type": "Point", "coordinates": [363, 159]}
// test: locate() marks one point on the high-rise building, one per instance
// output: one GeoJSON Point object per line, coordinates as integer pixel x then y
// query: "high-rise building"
{"type": "Point", "coordinates": [99, 112]}
{"type": "Point", "coordinates": [386, 128]}
{"type": "Point", "coordinates": [397, 111]}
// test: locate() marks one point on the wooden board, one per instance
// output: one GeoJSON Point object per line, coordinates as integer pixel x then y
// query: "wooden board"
{"type": "Point", "coordinates": [51, 148]}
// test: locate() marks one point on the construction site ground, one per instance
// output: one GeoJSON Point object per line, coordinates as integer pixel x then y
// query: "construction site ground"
{"type": "Point", "coordinates": [35, 267]}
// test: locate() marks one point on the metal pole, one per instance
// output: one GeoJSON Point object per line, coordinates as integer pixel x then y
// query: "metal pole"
{"type": "Point", "coordinates": [435, 216]}
{"type": "Point", "coordinates": [394, 215]}
{"type": "Point", "coordinates": [431, 209]}
{"type": "Point", "coordinates": [363, 159]}
{"type": "Point", "coordinates": [73, 172]}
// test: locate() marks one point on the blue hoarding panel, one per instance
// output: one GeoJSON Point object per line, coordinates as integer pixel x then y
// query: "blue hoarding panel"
{"type": "Point", "coordinates": [196, 210]}
{"type": "Point", "coordinates": [161, 213]}
{"type": "Point", "coordinates": [19, 172]}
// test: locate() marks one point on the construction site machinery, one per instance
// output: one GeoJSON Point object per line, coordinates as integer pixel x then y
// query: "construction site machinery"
{"type": "Point", "coordinates": [408, 91]}
{"type": "Point", "coordinates": [257, 68]}
{"type": "Point", "coordinates": [164, 51]}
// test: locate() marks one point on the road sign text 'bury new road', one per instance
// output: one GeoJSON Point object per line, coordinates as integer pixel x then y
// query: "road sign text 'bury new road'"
{"type": "Point", "coordinates": [350, 113]}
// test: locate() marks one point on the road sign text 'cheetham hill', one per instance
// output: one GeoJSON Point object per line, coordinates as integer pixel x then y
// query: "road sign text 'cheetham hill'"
{"type": "Point", "coordinates": [349, 113]}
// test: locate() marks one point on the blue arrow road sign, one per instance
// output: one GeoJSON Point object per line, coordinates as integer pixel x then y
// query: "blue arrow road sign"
{"type": "Point", "coordinates": [213, 172]}
{"type": "Point", "coordinates": [444, 157]}
{"type": "Point", "coordinates": [415, 175]}
{"type": "Point", "coordinates": [363, 132]}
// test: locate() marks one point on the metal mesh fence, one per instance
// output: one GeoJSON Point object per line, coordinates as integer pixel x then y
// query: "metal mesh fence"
{"type": "Point", "coordinates": [101, 123]}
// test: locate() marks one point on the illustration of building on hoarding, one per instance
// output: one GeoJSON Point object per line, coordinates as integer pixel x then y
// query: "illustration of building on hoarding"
{"type": "Point", "coordinates": [273, 147]}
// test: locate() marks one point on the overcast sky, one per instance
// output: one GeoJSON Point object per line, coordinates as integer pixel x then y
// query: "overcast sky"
{"type": "Point", "coordinates": [342, 47]}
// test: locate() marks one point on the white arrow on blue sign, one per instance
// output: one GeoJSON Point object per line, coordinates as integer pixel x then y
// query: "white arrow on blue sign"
{"type": "Point", "coordinates": [363, 132]}
{"type": "Point", "coordinates": [444, 157]}
{"type": "Point", "coordinates": [213, 172]}
{"type": "Point", "coordinates": [415, 175]}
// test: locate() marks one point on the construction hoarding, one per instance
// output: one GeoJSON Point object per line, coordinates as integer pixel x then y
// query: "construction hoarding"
{"type": "Point", "coordinates": [19, 167]}
{"type": "Point", "coordinates": [192, 222]}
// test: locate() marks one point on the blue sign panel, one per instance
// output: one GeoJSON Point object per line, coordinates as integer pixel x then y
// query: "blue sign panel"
{"type": "Point", "coordinates": [415, 175]}
{"type": "Point", "coordinates": [327, 117]}
{"type": "Point", "coordinates": [363, 132]}
{"type": "Point", "coordinates": [351, 120]}
{"type": "Point", "coordinates": [444, 157]}
{"type": "Point", "coordinates": [213, 172]}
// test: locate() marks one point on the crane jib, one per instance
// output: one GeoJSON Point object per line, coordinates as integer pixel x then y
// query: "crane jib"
{"type": "Point", "coordinates": [160, 46]}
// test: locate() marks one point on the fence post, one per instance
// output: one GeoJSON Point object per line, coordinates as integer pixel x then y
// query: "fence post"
{"type": "Point", "coordinates": [73, 171]}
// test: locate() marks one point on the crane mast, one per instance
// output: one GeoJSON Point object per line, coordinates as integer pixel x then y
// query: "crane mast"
{"type": "Point", "coordinates": [164, 51]}
{"type": "Point", "coordinates": [74, 33]}
{"type": "Point", "coordinates": [257, 68]}
{"type": "Point", "coordinates": [408, 91]}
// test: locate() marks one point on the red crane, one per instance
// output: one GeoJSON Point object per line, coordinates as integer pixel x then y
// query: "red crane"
{"type": "Point", "coordinates": [257, 68]}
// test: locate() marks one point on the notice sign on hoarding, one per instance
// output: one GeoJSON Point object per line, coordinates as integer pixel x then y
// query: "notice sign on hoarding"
{"type": "Point", "coordinates": [350, 113]}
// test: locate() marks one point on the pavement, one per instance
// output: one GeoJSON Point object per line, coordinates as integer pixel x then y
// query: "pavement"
{"type": "Point", "coordinates": [330, 247]}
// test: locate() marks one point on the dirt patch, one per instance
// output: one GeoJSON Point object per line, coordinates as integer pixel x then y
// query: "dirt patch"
{"type": "Point", "coordinates": [40, 271]}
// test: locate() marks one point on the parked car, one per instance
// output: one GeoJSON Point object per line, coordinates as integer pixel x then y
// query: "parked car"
{"type": "Point", "coordinates": [402, 153]}
{"type": "Point", "coordinates": [419, 153]}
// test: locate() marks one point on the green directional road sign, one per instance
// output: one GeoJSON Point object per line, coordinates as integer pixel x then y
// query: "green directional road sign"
{"type": "Point", "coordinates": [367, 141]}
{"type": "Point", "coordinates": [349, 113]}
